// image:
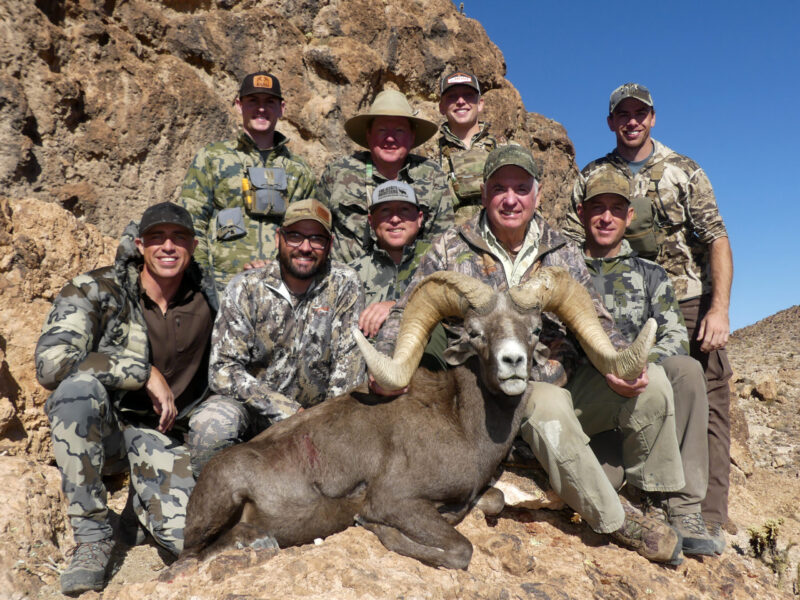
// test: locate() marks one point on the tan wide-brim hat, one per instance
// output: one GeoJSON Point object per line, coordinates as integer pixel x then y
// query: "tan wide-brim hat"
{"type": "Point", "coordinates": [389, 103]}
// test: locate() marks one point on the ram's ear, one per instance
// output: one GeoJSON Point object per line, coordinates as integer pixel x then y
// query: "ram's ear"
{"type": "Point", "coordinates": [458, 353]}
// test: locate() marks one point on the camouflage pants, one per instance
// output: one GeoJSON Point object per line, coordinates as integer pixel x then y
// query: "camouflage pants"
{"type": "Point", "coordinates": [217, 423]}
{"type": "Point", "coordinates": [557, 426]}
{"type": "Point", "coordinates": [90, 441]}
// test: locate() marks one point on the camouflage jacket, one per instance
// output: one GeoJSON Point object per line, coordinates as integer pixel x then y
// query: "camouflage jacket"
{"type": "Point", "coordinates": [685, 211]}
{"type": "Point", "coordinates": [464, 167]}
{"type": "Point", "coordinates": [276, 353]}
{"type": "Point", "coordinates": [347, 183]}
{"type": "Point", "coordinates": [213, 184]}
{"type": "Point", "coordinates": [633, 290]}
{"type": "Point", "coordinates": [382, 278]}
{"type": "Point", "coordinates": [96, 325]}
{"type": "Point", "coordinates": [462, 249]}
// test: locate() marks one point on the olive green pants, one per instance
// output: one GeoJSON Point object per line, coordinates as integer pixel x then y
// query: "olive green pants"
{"type": "Point", "coordinates": [557, 425]}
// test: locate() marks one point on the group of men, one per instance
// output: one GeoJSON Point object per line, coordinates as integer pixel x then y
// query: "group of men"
{"type": "Point", "coordinates": [234, 309]}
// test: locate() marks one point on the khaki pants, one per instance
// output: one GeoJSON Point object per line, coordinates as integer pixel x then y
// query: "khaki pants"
{"type": "Point", "coordinates": [718, 372]}
{"type": "Point", "coordinates": [557, 425]}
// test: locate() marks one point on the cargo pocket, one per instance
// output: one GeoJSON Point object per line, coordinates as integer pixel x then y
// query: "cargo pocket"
{"type": "Point", "coordinates": [230, 224]}
{"type": "Point", "coordinates": [269, 187]}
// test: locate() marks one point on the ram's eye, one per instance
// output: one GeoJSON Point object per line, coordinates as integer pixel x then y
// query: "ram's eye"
{"type": "Point", "coordinates": [475, 335]}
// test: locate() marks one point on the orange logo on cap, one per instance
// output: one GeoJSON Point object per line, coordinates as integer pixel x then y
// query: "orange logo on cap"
{"type": "Point", "coordinates": [262, 81]}
{"type": "Point", "coordinates": [322, 212]}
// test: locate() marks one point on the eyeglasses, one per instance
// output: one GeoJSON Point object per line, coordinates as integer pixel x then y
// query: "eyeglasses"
{"type": "Point", "coordinates": [295, 239]}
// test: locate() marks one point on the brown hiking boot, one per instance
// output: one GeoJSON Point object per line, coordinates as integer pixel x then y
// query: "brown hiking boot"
{"type": "Point", "coordinates": [87, 569]}
{"type": "Point", "coordinates": [651, 538]}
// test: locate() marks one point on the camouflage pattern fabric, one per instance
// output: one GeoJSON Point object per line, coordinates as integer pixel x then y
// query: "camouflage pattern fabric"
{"type": "Point", "coordinates": [347, 183]}
{"type": "Point", "coordinates": [384, 280]}
{"type": "Point", "coordinates": [464, 168]}
{"type": "Point", "coordinates": [462, 249]}
{"type": "Point", "coordinates": [633, 290]}
{"type": "Point", "coordinates": [220, 422]}
{"type": "Point", "coordinates": [686, 214]}
{"type": "Point", "coordinates": [90, 441]}
{"type": "Point", "coordinates": [96, 325]}
{"type": "Point", "coordinates": [213, 183]}
{"type": "Point", "coordinates": [276, 353]}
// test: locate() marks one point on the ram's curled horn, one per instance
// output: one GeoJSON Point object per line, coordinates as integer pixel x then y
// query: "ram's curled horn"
{"type": "Point", "coordinates": [554, 290]}
{"type": "Point", "coordinates": [439, 295]}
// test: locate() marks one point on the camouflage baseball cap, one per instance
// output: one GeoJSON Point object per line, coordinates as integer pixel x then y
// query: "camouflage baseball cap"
{"type": "Point", "coordinates": [459, 78]}
{"type": "Point", "coordinates": [393, 191]}
{"type": "Point", "coordinates": [165, 213]}
{"type": "Point", "coordinates": [607, 181]}
{"type": "Point", "coordinates": [512, 154]}
{"type": "Point", "coordinates": [260, 83]}
{"type": "Point", "coordinates": [305, 210]}
{"type": "Point", "coordinates": [629, 90]}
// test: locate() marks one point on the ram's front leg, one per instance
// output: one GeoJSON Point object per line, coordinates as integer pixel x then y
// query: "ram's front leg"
{"type": "Point", "coordinates": [415, 528]}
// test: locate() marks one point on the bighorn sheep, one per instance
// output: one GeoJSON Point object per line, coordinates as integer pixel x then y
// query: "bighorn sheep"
{"type": "Point", "coordinates": [406, 468]}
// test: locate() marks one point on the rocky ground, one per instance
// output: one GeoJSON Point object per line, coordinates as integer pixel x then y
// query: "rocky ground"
{"type": "Point", "coordinates": [536, 553]}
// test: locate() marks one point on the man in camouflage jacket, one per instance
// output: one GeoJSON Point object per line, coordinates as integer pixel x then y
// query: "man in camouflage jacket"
{"type": "Point", "coordinates": [116, 399]}
{"type": "Point", "coordinates": [232, 226]}
{"type": "Point", "coordinates": [634, 289]}
{"type": "Point", "coordinates": [283, 337]}
{"type": "Point", "coordinates": [389, 130]}
{"type": "Point", "coordinates": [464, 141]}
{"type": "Point", "coordinates": [394, 252]}
{"type": "Point", "coordinates": [503, 246]}
{"type": "Point", "coordinates": [678, 225]}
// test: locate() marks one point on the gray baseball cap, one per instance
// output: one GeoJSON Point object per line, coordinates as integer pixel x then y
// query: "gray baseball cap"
{"type": "Point", "coordinates": [629, 90]}
{"type": "Point", "coordinates": [511, 154]}
{"type": "Point", "coordinates": [393, 191]}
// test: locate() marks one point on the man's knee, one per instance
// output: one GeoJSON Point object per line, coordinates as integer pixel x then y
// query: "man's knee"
{"type": "Point", "coordinates": [684, 371]}
{"type": "Point", "coordinates": [549, 419]}
{"type": "Point", "coordinates": [216, 424]}
{"type": "Point", "coordinates": [77, 398]}
{"type": "Point", "coordinates": [654, 405]}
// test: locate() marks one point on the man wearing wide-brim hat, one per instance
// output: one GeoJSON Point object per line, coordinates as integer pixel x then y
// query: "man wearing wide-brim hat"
{"type": "Point", "coordinates": [388, 130]}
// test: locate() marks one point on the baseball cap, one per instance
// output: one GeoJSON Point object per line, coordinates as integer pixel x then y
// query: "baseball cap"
{"type": "Point", "coordinates": [629, 90]}
{"type": "Point", "coordinates": [393, 191]}
{"type": "Point", "coordinates": [260, 83]}
{"type": "Point", "coordinates": [308, 209]}
{"type": "Point", "coordinates": [511, 154]}
{"type": "Point", "coordinates": [607, 181]}
{"type": "Point", "coordinates": [458, 78]}
{"type": "Point", "coordinates": [165, 212]}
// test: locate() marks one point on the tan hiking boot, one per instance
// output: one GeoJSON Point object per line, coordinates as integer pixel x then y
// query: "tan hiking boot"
{"type": "Point", "coordinates": [651, 538]}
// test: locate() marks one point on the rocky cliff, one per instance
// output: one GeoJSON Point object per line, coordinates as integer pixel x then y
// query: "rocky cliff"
{"type": "Point", "coordinates": [102, 105]}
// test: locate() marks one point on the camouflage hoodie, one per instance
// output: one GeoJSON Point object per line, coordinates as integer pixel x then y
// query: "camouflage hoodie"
{"type": "Point", "coordinates": [96, 325]}
{"type": "Point", "coordinates": [684, 206]}
{"type": "Point", "coordinates": [462, 249]}
{"type": "Point", "coordinates": [633, 290]}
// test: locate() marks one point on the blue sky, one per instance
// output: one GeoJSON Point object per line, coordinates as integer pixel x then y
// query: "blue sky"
{"type": "Point", "coordinates": [725, 79]}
